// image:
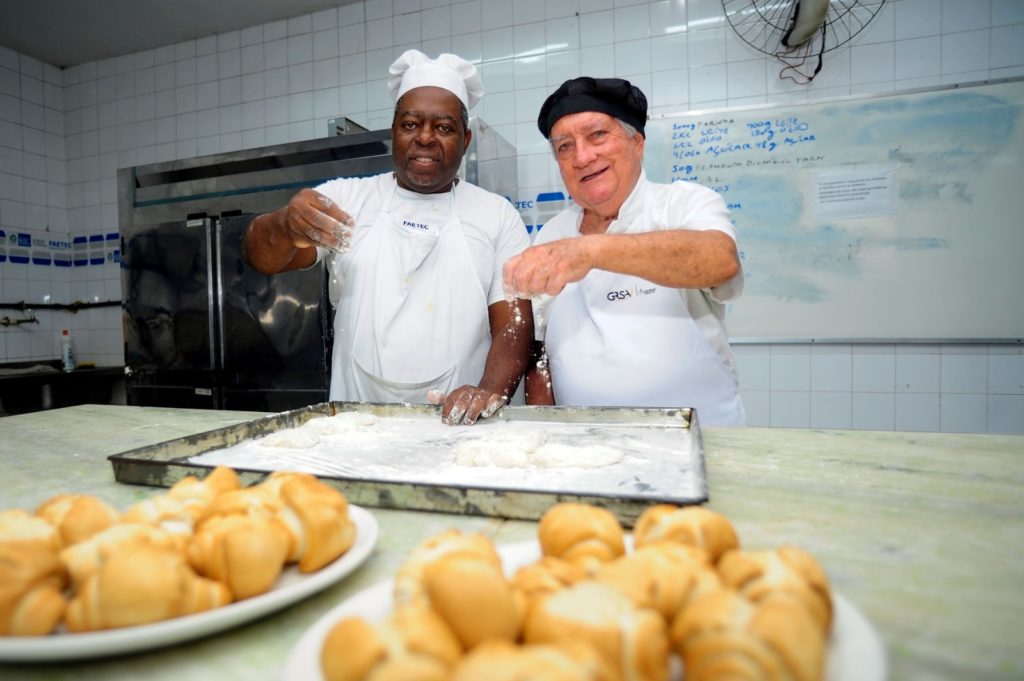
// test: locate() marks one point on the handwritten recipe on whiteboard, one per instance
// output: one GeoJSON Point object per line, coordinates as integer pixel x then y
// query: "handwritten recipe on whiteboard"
{"type": "Point", "coordinates": [863, 219]}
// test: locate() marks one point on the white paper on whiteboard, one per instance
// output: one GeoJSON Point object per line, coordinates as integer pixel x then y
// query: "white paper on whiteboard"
{"type": "Point", "coordinates": [857, 192]}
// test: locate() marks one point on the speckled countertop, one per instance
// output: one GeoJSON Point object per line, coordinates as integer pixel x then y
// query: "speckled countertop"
{"type": "Point", "coordinates": [923, 533]}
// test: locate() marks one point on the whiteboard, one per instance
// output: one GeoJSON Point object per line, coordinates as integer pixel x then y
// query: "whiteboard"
{"type": "Point", "coordinates": [898, 217]}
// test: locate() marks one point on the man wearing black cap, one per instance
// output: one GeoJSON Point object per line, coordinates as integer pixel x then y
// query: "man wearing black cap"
{"type": "Point", "coordinates": [629, 284]}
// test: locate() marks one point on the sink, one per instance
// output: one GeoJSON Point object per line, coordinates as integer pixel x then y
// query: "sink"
{"type": "Point", "coordinates": [29, 387]}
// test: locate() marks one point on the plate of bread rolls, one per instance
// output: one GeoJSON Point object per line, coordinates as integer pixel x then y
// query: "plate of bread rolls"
{"type": "Point", "coordinates": [80, 579]}
{"type": "Point", "coordinates": [676, 599]}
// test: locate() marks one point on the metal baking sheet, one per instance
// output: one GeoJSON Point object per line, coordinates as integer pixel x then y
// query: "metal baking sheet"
{"type": "Point", "coordinates": [402, 456]}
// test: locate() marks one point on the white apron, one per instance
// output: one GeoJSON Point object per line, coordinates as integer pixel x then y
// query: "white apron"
{"type": "Point", "coordinates": [618, 340]}
{"type": "Point", "coordinates": [412, 314]}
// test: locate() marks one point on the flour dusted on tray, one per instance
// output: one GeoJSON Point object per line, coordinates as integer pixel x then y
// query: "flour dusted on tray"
{"type": "Point", "coordinates": [290, 439]}
{"type": "Point", "coordinates": [516, 448]}
{"type": "Point", "coordinates": [351, 426]}
{"type": "Point", "coordinates": [415, 446]}
{"type": "Point", "coordinates": [345, 423]}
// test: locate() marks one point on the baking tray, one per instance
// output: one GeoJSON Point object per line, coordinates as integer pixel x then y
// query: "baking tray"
{"type": "Point", "coordinates": [415, 469]}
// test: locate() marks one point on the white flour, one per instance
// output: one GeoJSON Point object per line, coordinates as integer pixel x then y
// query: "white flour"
{"type": "Point", "coordinates": [621, 458]}
{"type": "Point", "coordinates": [516, 448]}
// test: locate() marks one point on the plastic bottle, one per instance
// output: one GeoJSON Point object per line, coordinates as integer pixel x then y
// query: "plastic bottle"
{"type": "Point", "coordinates": [67, 355]}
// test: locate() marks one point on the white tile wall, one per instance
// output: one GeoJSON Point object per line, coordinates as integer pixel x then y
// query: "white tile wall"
{"type": "Point", "coordinates": [63, 134]}
{"type": "Point", "coordinates": [790, 408]}
{"type": "Point", "coordinates": [873, 411]}
{"type": "Point", "coordinates": [831, 409]}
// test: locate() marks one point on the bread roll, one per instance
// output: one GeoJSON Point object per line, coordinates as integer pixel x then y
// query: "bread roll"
{"type": "Point", "coordinates": [316, 519]}
{"type": "Point", "coordinates": [221, 479]}
{"type": "Point", "coordinates": [245, 553]}
{"type": "Point", "coordinates": [176, 516]}
{"type": "Point", "coordinates": [83, 559]}
{"type": "Point", "coordinates": [424, 631]}
{"type": "Point", "coordinates": [77, 516]}
{"type": "Point", "coordinates": [581, 534]}
{"type": "Point", "coordinates": [246, 501]}
{"type": "Point", "coordinates": [409, 576]}
{"type": "Point", "coordinates": [410, 667]}
{"type": "Point", "coordinates": [313, 514]}
{"type": "Point", "coordinates": [788, 571]}
{"type": "Point", "coordinates": [472, 595]}
{"type": "Point", "coordinates": [724, 635]}
{"type": "Point", "coordinates": [664, 577]}
{"type": "Point", "coordinates": [32, 580]}
{"type": "Point", "coordinates": [18, 527]}
{"type": "Point", "coordinates": [502, 661]}
{"type": "Point", "coordinates": [549, 574]}
{"type": "Point", "coordinates": [277, 479]}
{"type": "Point", "coordinates": [413, 641]}
{"type": "Point", "coordinates": [690, 525]}
{"type": "Point", "coordinates": [139, 584]}
{"type": "Point", "coordinates": [351, 649]}
{"type": "Point", "coordinates": [632, 640]}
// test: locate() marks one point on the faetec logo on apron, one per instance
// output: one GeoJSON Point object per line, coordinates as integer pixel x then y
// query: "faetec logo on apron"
{"type": "Point", "coordinates": [422, 226]}
{"type": "Point", "coordinates": [627, 293]}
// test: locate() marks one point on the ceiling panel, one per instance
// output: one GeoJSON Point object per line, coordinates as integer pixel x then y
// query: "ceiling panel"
{"type": "Point", "coordinates": [68, 32]}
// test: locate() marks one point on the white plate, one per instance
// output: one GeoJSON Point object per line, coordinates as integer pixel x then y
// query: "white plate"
{"type": "Point", "coordinates": [291, 586]}
{"type": "Point", "coordinates": [855, 651]}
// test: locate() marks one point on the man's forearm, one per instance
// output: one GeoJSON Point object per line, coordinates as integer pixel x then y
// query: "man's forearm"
{"type": "Point", "coordinates": [678, 258]}
{"type": "Point", "coordinates": [267, 248]}
{"type": "Point", "coordinates": [509, 351]}
{"type": "Point", "coordinates": [538, 376]}
{"type": "Point", "coordinates": [506, 362]}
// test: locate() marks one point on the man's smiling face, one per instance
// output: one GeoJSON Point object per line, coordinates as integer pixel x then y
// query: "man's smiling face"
{"type": "Point", "coordinates": [599, 162]}
{"type": "Point", "coordinates": [428, 139]}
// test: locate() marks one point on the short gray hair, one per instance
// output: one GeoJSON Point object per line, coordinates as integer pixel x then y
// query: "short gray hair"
{"type": "Point", "coordinates": [630, 131]}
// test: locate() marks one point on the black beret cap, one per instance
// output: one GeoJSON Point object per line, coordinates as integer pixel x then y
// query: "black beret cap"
{"type": "Point", "coordinates": [613, 96]}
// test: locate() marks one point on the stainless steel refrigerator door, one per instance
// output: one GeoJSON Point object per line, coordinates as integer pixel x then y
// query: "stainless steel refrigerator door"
{"type": "Point", "coordinates": [166, 272]}
{"type": "Point", "coordinates": [275, 330]}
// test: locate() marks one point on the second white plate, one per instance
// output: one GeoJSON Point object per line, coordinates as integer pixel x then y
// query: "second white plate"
{"type": "Point", "coordinates": [291, 586]}
{"type": "Point", "coordinates": [855, 651]}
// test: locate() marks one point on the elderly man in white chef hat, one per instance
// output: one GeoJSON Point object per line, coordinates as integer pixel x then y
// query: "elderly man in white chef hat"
{"type": "Point", "coordinates": [417, 254]}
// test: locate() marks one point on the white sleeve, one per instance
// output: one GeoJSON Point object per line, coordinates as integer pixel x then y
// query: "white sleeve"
{"type": "Point", "coordinates": [510, 242]}
{"type": "Point", "coordinates": [694, 206]}
{"type": "Point", "coordinates": [564, 225]}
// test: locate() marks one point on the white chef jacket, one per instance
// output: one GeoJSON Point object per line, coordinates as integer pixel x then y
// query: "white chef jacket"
{"type": "Point", "coordinates": [671, 206]}
{"type": "Point", "coordinates": [492, 232]}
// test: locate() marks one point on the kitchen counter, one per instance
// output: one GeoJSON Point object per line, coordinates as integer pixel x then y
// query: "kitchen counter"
{"type": "Point", "coordinates": [43, 385]}
{"type": "Point", "coordinates": [922, 532]}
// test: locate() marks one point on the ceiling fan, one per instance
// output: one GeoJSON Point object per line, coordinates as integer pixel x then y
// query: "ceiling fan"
{"type": "Point", "coordinates": [796, 31]}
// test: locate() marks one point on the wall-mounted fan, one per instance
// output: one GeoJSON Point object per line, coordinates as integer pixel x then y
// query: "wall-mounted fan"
{"type": "Point", "coordinates": [796, 31]}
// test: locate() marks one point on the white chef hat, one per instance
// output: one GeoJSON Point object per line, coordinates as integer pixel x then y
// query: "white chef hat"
{"type": "Point", "coordinates": [453, 73]}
